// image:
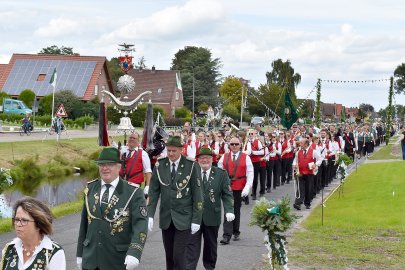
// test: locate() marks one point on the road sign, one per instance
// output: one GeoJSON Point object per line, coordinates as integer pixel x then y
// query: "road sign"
{"type": "Point", "coordinates": [61, 111]}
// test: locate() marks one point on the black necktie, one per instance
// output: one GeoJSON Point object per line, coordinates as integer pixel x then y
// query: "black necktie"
{"type": "Point", "coordinates": [305, 152]}
{"type": "Point", "coordinates": [104, 198]}
{"type": "Point", "coordinates": [205, 177]}
{"type": "Point", "coordinates": [129, 153]}
{"type": "Point", "coordinates": [173, 170]}
{"type": "Point", "coordinates": [234, 157]}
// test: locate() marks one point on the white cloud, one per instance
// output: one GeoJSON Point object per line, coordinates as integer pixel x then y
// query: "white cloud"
{"type": "Point", "coordinates": [195, 16]}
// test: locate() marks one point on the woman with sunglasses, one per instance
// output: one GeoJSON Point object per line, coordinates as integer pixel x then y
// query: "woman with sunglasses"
{"type": "Point", "coordinates": [32, 249]}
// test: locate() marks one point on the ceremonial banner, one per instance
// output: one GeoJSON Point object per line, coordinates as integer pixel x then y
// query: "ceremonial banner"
{"type": "Point", "coordinates": [343, 115]}
{"type": "Point", "coordinates": [102, 127]}
{"type": "Point", "coordinates": [289, 113]}
{"type": "Point", "coordinates": [53, 78]}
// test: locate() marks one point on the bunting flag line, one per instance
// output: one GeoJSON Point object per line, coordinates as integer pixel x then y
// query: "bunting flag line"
{"type": "Point", "coordinates": [355, 81]}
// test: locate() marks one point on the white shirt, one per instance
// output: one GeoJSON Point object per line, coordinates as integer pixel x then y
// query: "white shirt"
{"type": "Point", "coordinates": [207, 171]}
{"type": "Point", "coordinates": [58, 261]}
{"type": "Point", "coordinates": [111, 190]}
{"type": "Point", "coordinates": [145, 158]}
{"type": "Point", "coordinates": [176, 163]}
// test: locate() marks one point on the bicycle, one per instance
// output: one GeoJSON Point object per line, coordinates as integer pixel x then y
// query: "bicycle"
{"type": "Point", "coordinates": [25, 130]}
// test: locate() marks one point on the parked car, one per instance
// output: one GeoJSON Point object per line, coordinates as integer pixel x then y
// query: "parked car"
{"type": "Point", "coordinates": [257, 120]}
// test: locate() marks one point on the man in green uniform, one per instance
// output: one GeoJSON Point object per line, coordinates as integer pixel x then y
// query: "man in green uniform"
{"type": "Point", "coordinates": [114, 224]}
{"type": "Point", "coordinates": [176, 180]}
{"type": "Point", "coordinates": [216, 187]}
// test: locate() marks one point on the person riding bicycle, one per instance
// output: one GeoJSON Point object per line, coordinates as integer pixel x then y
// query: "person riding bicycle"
{"type": "Point", "coordinates": [26, 122]}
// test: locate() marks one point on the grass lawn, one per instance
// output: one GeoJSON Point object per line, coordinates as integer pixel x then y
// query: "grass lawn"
{"type": "Point", "coordinates": [71, 149]}
{"type": "Point", "coordinates": [364, 229]}
{"type": "Point", "coordinates": [391, 151]}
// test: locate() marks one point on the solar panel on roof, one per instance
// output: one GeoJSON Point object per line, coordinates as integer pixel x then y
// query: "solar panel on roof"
{"type": "Point", "coordinates": [71, 75]}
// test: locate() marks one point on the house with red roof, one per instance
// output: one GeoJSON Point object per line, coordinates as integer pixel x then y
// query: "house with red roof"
{"type": "Point", "coordinates": [85, 76]}
{"type": "Point", "coordinates": [165, 86]}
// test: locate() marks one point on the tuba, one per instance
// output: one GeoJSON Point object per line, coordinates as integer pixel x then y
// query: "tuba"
{"type": "Point", "coordinates": [234, 130]}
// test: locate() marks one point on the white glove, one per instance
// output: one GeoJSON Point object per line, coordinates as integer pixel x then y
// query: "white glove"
{"type": "Point", "coordinates": [150, 224]}
{"type": "Point", "coordinates": [146, 190]}
{"type": "Point", "coordinates": [194, 228]}
{"type": "Point", "coordinates": [245, 191]}
{"type": "Point", "coordinates": [229, 217]}
{"type": "Point", "coordinates": [131, 262]}
{"type": "Point", "coordinates": [79, 262]}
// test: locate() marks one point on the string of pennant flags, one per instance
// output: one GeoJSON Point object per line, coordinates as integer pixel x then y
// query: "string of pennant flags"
{"type": "Point", "coordinates": [261, 102]}
{"type": "Point", "coordinates": [354, 81]}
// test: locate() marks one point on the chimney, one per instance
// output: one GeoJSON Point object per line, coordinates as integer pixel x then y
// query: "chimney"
{"type": "Point", "coordinates": [153, 69]}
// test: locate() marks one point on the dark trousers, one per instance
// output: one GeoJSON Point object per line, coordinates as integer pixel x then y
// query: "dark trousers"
{"type": "Point", "coordinates": [305, 182]}
{"type": "Point", "coordinates": [233, 226]}
{"type": "Point", "coordinates": [262, 172]}
{"type": "Point", "coordinates": [283, 174]}
{"type": "Point", "coordinates": [272, 173]}
{"type": "Point", "coordinates": [403, 150]}
{"type": "Point", "coordinates": [175, 243]}
{"type": "Point", "coordinates": [289, 169]}
{"type": "Point", "coordinates": [210, 235]}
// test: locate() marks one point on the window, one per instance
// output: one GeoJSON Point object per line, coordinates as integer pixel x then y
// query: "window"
{"type": "Point", "coordinates": [159, 90]}
{"type": "Point", "coordinates": [177, 95]}
{"type": "Point", "coordinates": [41, 77]}
{"type": "Point", "coordinates": [96, 90]}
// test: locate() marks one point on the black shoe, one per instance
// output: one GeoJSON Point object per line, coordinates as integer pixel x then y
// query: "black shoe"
{"type": "Point", "coordinates": [254, 197]}
{"type": "Point", "coordinates": [224, 241]}
{"type": "Point", "coordinates": [268, 190]}
{"type": "Point", "coordinates": [261, 194]}
{"type": "Point", "coordinates": [307, 206]}
{"type": "Point", "coordinates": [236, 237]}
{"type": "Point", "coordinates": [297, 207]}
{"type": "Point", "coordinates": [246, 200]}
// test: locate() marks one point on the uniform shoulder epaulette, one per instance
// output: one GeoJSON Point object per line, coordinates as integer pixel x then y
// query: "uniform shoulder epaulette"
{"type": "Point", "coordinates": [93, 181]}
{"type": "Point", "coordinates": [133, 184]}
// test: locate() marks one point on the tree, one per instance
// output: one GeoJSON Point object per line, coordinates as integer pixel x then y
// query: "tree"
{"type": "Point", "coordinates": [231, 111]}
{"type": "Point", "coordinates": [283, 74]}
{"type": "Point", "coordinates": [182, 112]}
{"type": "Point", "coordinates": [69, 101]}
{"type": "Point", "coordinates": [399, 75]}
{"type": "Point", "coordinates": [231, 91]}
{"type": "Point", "coordinates": [114, 68]}
{"type": "Point", "coordinates": [197, 63]}
{"type": "Point", "coordinates": [55, 50]}
{"type": "Point", "coordinates": [271, 95]}
{"type": "Point", "coordinates": [366, 108]}
{"type": "Point", "coordinates": [45, 105]}
{"type": "Point", "coordinates": [3, 95]}
{"type": "Point", "coordinates": [28, 96]}
{"type": "Point", "coordinates": [203, 107]}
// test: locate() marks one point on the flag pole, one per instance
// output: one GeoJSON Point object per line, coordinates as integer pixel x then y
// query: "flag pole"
{"type": "Point", "coordinates": [53, 83]}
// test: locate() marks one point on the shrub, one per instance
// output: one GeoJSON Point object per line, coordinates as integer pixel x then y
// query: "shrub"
{"type": "Point", "coordinates": [84, 121]}
{"type": "Point", "coordinates": [182, 112]}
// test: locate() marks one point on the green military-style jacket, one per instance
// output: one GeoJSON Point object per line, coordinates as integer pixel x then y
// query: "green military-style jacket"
{"type": "Point", "coordinates": [181, 201]}
{"type": "Point", "coordinates": [216, 188]}
{"type": "Point", "coordinates": [105, 239]}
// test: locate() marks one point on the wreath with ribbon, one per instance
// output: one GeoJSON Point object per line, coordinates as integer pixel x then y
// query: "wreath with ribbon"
{"type": "Point", "coordinates": [275, 218]}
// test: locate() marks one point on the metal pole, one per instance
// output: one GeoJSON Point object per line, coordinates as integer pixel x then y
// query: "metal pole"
{"type": "Point", "coordinates": [53, 103]}
{"type": "Point", "coordinates": [241, 109]}
{"type": "Point", "coordinates": [322, 203]}
{"type": "Point", "coordinates": [193, 99]}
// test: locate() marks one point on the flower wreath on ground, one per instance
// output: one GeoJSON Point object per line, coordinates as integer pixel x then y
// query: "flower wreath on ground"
{"type": "Point", "coordinates": [343, 161]}
{"type": "Point", "coordinates": [275, 218]}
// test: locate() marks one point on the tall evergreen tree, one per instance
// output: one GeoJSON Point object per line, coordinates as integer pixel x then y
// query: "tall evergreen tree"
{"type": "Point", "coordinates": [197, 61]}
{"type": "Point", "coordinates": [283, 74]}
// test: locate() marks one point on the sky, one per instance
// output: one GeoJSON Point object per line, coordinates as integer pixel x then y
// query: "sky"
{"type": "Point", "coordinates": [331, 40]}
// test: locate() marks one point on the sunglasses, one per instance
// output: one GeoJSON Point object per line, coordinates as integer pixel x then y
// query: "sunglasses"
{"type": "Point", "coordinates": [234, 144]}
{"type": "Point", "coordinates": [251, 134]}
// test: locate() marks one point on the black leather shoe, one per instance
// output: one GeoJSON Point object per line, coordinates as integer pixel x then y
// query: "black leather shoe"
{"type": "Point", "coordinates": [254, 197]}
{"type": "Point", "coordinates": [224, 241]}
{"type": "Point", "coordinates": [236, 237]}
{"type": "Point", "coordinates": [297, 207]}
{"type": "Point", "coordinates": [307, 206]}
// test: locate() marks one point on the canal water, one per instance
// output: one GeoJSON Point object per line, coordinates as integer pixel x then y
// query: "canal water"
{"type": "Point", "coordinates": [52, 194]}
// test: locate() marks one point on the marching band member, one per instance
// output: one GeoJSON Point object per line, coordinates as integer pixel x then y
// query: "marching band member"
{"type": "Point", "coordinates": [136, 167]}
{"type": "Point", "coordinates": [255, 150]}
{"type": "Point", "coordinates": [240, 170]}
